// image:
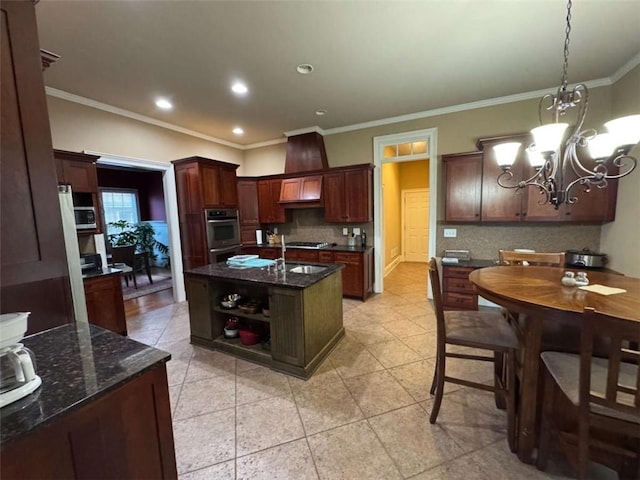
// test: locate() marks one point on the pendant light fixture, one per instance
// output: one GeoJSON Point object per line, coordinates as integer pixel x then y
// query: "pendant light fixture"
{"type": "Point", "coordinates": [558, 168]}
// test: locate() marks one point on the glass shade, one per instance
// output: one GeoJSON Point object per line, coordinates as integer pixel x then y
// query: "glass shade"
{"type": "Point", "coordinates": [625, 130]}
{"type": "Point", "coordinates": [535, 158]}
{"type": "Point", "coordinates": [601, 146]}
{"type": "Point", "coordinates": [547, 138]}
{"type": "Point", "coordinates": [506, 153]}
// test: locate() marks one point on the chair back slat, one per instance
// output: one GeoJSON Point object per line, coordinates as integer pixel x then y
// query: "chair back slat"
{"type": "Point", "coordinates": [622, 356]}
{"type": "Point", "coordinates": [124, 254]}
{"type": "Point", "coordinates": [511, 257]}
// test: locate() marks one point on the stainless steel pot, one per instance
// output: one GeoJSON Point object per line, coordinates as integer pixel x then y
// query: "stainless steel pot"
{"type": "Point", "coordinates": [585, 258]}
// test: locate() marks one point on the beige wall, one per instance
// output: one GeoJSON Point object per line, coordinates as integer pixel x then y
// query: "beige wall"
{"type": "Point", "coordinates": [77, 127]}
{"type": "Point", "coordinates": [619, 239]}
{"type": "Point", "coordinates": [392, 212]}
{"type": "Point", "coordinates": [264, 160]}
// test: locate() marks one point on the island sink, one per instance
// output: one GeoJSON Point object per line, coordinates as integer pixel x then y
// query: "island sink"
{"type": "Point", "coordinates": [308, 269]}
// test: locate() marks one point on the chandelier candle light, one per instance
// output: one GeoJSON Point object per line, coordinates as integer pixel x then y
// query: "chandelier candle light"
{"type": "Point", "coordinates": [552, 160]}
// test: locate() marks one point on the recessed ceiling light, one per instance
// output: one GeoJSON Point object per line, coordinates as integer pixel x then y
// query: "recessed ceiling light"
{"type": "Point", "coordinates": [164, 104]}
{"type": "Point", "coordinates": [238, 131]}
{"type": "Point", "coordinates": [321, 112]}
{"type": "Point", "coordinates": [239, 88]}
{"type": "Point", "coordinates": [304, 68]}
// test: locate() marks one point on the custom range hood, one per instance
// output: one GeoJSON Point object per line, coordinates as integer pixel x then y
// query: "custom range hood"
{"type": "Point", "coordinates": [305, 154]}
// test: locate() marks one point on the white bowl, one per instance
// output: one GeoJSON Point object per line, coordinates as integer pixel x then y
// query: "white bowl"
{"type": "Point", "coordinates": [12, 328]}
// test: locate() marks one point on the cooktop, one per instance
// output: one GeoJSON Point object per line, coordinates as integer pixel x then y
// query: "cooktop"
{"type": "Point", "coordinates": [307, 244]}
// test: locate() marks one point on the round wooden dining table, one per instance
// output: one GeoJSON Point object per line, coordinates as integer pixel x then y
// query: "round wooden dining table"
{"type": "Point", "coordinates": [538, 293]}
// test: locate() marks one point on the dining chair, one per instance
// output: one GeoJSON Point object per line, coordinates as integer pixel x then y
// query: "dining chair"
{"type": "Point", "coordinates": [124, 258]}
{"type": "Point", "coordinates": [486, 330]}
{"type": "Point", "coordinates": [512, 257]}
{"type": "Point", "coordinates": [601, 392]}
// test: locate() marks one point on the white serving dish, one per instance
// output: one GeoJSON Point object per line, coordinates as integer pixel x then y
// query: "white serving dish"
{"type": "Point", "coordinates": [13, 326]}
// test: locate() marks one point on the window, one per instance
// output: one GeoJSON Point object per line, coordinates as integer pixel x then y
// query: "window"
{"type": "Point", "coordinates": [120, 204]}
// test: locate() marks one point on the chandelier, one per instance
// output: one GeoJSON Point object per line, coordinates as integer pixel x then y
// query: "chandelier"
{"type": "Point", "coordinates": [553, 161]}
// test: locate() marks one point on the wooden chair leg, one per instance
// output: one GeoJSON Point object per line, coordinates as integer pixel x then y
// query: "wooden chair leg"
{"type": "Point", "coordinates": [135, 282]}
{"type": "Point", "coordinates": [583, 449]}
{"type": "Point", "coordinates": [545, 423]}
{"type": "Point", "coordinates": [440, 384]}
{"type": "Point", "coordinates": [435, 377]}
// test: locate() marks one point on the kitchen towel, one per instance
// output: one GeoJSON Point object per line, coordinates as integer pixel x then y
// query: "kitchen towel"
{"type": "Point", "coordinates": [602, 290]}
{"type": "Point", "coordinates": [259, 237]}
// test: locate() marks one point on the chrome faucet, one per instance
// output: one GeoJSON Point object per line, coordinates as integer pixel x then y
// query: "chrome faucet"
{"type": "Point", "coordinates": [280, 262]}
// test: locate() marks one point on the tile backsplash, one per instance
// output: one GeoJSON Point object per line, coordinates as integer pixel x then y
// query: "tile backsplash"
{"type": "Point", "coordinates": [484, 241]}
{"type": "Point", "coordinates": [308, 225]}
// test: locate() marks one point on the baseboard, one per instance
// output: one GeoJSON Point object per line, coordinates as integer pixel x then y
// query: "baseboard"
{"type": "Point", "coordinates": [396, 261]}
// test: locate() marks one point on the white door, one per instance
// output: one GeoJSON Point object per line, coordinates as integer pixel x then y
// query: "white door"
{"type": "Point", "coordinates": [415, 206]}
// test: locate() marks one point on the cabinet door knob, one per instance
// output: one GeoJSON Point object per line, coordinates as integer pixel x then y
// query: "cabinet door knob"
{"type": "Point", "coordinates": [518, 214]}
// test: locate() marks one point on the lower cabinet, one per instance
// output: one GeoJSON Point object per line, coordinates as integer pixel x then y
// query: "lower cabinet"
{"type": "Point", "coordinates": [127, 433]}
{"type": "Point", "coordinates": [357, 275]}
{"type": "Point", "coordinates": [105, 304]}
{"type": "Point", "coordinates": [457, 290]}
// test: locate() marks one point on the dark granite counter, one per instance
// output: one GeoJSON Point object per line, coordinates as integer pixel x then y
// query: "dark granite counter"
{"type": "Point", "coordinates": [222, 271]}
{"type": "Point", "coordinates": [331, 248]}
{"type": "Point", "coordinates": [77, 363]}
{"type": "Point", "coordinates": [101, 273]}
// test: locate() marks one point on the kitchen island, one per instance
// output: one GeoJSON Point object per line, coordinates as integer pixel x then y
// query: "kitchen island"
{"type": "Point", "coordinates": [300, 328]}
{"type": "Point", "coordinates": [102, 410]}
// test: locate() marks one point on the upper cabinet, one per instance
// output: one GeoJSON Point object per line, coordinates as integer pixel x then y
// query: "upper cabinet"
{"type": "Point", "coordinates": [77, 170]}
{"type": "Point", "coordinates": [33, 266]}
{"type": "Point", "coordinates": [269, 208]}
{"type": "Point", "coordinates": [214, 182]}
{"type": "Point", "coordinates": [463, 186]}
{"type": "Point", "coordinates": [500, 204]}
{"type": "Point", "coordinates": [301, 189]}
{"type": "Point", "coordinates": [348, 195]}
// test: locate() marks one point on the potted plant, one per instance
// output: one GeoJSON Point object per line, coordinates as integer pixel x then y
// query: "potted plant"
{"type": "Point", "coordinates": [142, 235]}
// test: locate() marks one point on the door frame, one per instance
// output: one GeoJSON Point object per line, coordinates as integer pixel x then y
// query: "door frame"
{"type": "Point", "coordinates": [170, 205]}
{"type": "Point", "coordinates": [403, 234]}
{"type": "Point", "coordinates": [429, 135]}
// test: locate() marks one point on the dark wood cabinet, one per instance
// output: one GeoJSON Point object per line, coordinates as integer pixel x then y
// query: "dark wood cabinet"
{"type": "Point", "coordinates": [301, 255]}
{"type": "Point", "coordinates": [248, 213]}
{"type": "Point", "coordinates": [127, 433]}
{"type": "Point", "coordinates": [504, 205]}
{"type": "Point", "coordinates": [105, 304]}
{"type": "Point", "coordinates": [348, 195]}
{"type": "Point", "coordinates": [301, 189]}
{"type": "Point", "coordinates": [201, 183]}
{"type": "Point", "coordinates": [457, 290]}
{"type": "Point", "coordinates": [357, 276]}
{"type": "Point", "coordinates": [270, 211]}
{"type": "Point", "coordinates": [463, 186]}
{"type": "Point", "coordinates": [79, 171]}
{"type": "Point", "coordinates": [33, 266]}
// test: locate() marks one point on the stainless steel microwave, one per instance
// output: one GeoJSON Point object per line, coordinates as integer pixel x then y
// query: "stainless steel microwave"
{"type": "Point", "coordinates": [85, 218]}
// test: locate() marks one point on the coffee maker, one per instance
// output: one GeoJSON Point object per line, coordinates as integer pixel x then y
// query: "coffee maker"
{"type": "Point", "coordinates": [17, 364]}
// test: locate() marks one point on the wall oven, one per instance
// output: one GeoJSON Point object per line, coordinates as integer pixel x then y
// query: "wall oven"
{"type": "Point", "coordinates": [223, 234]}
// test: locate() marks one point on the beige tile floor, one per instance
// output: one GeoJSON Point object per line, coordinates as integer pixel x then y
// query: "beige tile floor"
{"type": "Point", "coordinates": [363, 415]}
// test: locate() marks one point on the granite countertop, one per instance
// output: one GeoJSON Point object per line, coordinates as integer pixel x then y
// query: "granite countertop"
{"type": "Point", "coordinates": [331, 248]}
{"type": "Point", "coordinates": [101, 273]}
{"type": "Point", "coordinates": [77, 363]}
{"type": "Point", "coordinates": [222, 271]}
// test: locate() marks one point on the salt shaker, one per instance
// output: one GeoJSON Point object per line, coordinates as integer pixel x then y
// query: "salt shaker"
{"type": "Point", "coordinates": [569, 279]}
{"type": "Point", "coordinates": [581, 279]}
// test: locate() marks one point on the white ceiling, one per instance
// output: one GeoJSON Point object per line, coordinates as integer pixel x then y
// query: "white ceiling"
{"type": "Point", "coordinates": [373, 60]}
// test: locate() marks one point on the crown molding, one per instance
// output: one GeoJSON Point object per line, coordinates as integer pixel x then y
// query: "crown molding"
{"type": "Point", "coordinates": [518, 97]}
{"type": "Point", "coordinates": [626, 68]}
{"type": "Point", "coordinates": [302, 131]}
{"type": "Point", "coordinates": [54, 92]}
